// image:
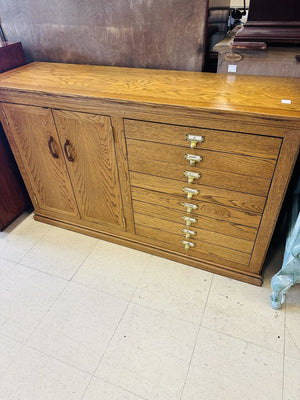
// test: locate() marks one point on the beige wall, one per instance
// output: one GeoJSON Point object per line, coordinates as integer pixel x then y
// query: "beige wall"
{"type": "Point", "coordinates": [239, 3]}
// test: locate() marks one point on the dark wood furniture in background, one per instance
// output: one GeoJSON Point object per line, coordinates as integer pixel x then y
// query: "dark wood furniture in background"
{"type": "Point", "coordinates": [185, 165]}
{"type": "Point", "coordinates": [11, 56]}
{"type": "Point", "coordinates": [268, 44]}
{"type": "Point", "coordinates": [273, 61]}
{"type": "Point", "coordinates": [272, 21]}
{"type": "Point", "coordinates": [13, 195]}
{"type": "Point", "coordinates": [165, 34]}
{"type": "Point", "coordinates": [14, 198]}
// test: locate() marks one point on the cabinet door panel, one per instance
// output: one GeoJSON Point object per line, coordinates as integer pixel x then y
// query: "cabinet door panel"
{"type": "Point", "coordinates": [90, 156]}
{"type": "Point", "coordinates": [36, 139]}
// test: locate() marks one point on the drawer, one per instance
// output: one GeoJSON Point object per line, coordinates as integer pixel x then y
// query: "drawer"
{"type": "Point", "coordinates": [255, 185]}
{"type": "Point", "coordinates": [217, 140]}
{"type": "Point", "coordinates": [208, 194]}
{"type": "Point", "coordinates": [198, 235]}
{"type": "Point", "coordinates": [205, 209]}
{"type": "Point", "coordinates": [204, 251]}
{"type": "Point", "coordinates": [142, 154]}
{"type": "Point", "coordinates": [209, 224]}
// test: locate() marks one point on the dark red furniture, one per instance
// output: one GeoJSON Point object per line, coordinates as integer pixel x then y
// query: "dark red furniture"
{"type": "Point", "coordinates": [14, 198]}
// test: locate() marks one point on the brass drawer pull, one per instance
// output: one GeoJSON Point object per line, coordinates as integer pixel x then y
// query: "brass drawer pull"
{"type": "Point", "coordinates": [189, 220]}
{"type": "Point", "coordinates": [187, 245]}
{"type": "Point", "coordinates": [190, 192]}
{"type": "Point", "coordinates": [193, 159]}
{"type": "Point", "coordinates": [189, 207]}
{"type": "Point", "coordinates": [68, 153]}
{"type": "Point", "coordinates": [194, 140]}
{"type": "Point", "coordinates": [188, 233]}
{"type": "Point", "coordinates": [191, 176]}
{"type": "Point", "coordinates": [51, 145]}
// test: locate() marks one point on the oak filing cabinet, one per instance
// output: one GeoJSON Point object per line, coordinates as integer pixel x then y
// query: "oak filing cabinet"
{"type": "Point", "coordinates": [188, 166]}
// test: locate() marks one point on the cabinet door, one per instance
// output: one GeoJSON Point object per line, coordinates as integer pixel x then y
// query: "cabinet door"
{"type": "Point", "coordinates": [89, 150]}
{"type": "Point", "coordinates": [35, 137]}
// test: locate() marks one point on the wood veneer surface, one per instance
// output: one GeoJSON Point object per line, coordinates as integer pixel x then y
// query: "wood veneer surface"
{"type": "Point", "coordinates": [247, 94]}
{"type": "Point", "coordinates": [168, 34]}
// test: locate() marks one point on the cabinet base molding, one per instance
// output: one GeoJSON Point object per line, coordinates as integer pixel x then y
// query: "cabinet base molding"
{"type": "Point", "coordinates": [129, 242]}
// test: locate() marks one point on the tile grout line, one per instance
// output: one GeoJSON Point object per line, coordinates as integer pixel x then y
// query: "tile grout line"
{"type": "Point", "coordinates": [170, 314]}
{"type": "Point", "coordinates": [49, 309]}
{"type": "Point", "coordinates": [14, 224]}
{"type": "Point", "coordinates": [37, 242]}
{"type": "Point", "coordinates": [51, 227]}
{"type": "Point", "coordinates": [46, 272]}
{"type": "Point", "coordinates": [42, 272]}
{"type": "Point", "coordinates": [86, 388]}
{"type": "Point", "coordinates": [243, 340]}
{"type": "Point", "coordinates": [11, 338]}
{"type": "Point", "coordinates": [112, 384]}
{"type": "Point", "coordinates": [7, 259]}
{"type": "Point", "coordinates": [78, 369]}
{"type": "Point", "coordinates": [125, 390]}
{"type": "Point", "coordinates": [83, 261]}
{"type": "Point", "coordinates": [196, 340]}
{"type": "Point", "coordinates": [15, 358]}
{"type": "Point", "coordinates": [122, 316]}
{"type": "Point", "coordinates": [100, 291]}
{"type": "Point", "coordinates": [115, 330]}
{"type": "Point", "coordinates": [135, 303]}
{"type": "Point", "coordinates": [57, 297]}
{"type": "Point", "coordinates": [29, 346]}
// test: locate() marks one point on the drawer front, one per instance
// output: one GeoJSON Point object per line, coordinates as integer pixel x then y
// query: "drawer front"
{"type": "Point", "coordinates": [202, 208]}
{"type": "Point", "coordinates": [199, 192]}
{"type": "Point", "coordinates": [195, 192]}
{"type": "Point", "coordinates": [223, 141]}
{"type": "Point", "coordinates": [195, 234]}
{"type": "Point", "coordinates": [203, 222]}
{"type": "Point", "coordinates": [204, 251]}
{"type": "Point", "coordinates": [143, 154]}
{"type": "Point", "coordinates": [217, 179]}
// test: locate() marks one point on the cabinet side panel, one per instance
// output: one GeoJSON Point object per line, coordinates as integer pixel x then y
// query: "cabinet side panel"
{"type": "Point", "coordinates": [284, 169]}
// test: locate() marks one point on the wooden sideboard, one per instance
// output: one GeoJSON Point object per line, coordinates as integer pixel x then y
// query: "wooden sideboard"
{"type": "Point", "coordinates": [184, 165]}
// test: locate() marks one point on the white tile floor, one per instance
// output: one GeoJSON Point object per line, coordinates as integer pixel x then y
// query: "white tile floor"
{"type": "Point", "coordinates": [81, 318]}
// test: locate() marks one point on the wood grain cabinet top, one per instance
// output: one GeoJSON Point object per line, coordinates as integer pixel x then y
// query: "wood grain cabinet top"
{"type": "Point", "coordinates": [234, 93]}
{"type": "Point", "coordinates": [189, 166]}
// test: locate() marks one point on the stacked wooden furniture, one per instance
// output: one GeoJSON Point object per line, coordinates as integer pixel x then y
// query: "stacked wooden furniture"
{"type": "Point", "coordinates": [189, 166]}
{"type": "Point", "coordinates": [271, 22]}
{"type": "Point", "coordinates": [268, 43]}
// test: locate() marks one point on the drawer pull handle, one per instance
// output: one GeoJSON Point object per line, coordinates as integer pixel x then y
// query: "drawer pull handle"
{"type": "Point", "coordinates": [191, 176]}
{"type": "Point", "coordinates": [190, 192]}
{"type": "Point", "coordinates": [52, 148]}
{"type": "Point", "coordinates": [68, 155]}
{"type": "Point", "coordinates": [194, 140]}
{"type": "Point", "coordinates": [189, 220]}
{"type": "Point", "coordinates": [188, 233]}
{"type": "Point", "coordinates": [193, 159]}
{"type": "Point", "coordinates": [190, 207]}
{"type": "Point", "coordinates": [187, 245]}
